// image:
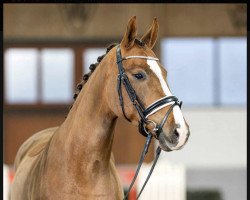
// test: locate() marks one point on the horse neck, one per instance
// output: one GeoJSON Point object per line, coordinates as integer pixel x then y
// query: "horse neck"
{"type": "Point", "coordinates": [86, 136]}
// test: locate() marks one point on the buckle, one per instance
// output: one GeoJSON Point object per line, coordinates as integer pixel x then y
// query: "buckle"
{"type": "Point", "coordinates": [155, 129]}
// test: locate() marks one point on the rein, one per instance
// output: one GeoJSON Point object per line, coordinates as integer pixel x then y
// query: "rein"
{"type": "Point", "coordinates": [143, 112]}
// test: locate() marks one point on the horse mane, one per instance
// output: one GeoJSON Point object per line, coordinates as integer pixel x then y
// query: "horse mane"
{"type": "Point", "coordinates": [92, 68]}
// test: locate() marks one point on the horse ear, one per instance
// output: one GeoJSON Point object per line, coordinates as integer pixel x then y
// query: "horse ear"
{"type": "Point", "coordinates": [149, 38]}
{"type": "Point", "coordinates": [129, 37]}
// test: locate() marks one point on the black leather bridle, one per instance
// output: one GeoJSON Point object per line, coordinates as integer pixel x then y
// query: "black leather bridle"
{"type": "Point", "coordinates": [143, 112]}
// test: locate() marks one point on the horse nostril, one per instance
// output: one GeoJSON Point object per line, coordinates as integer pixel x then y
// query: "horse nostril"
{"type": "Point", "coordinates": [176, 134]}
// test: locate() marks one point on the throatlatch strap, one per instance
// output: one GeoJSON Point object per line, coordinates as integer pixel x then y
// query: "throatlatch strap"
{"type": "Point", "coordinates": [119, 90]}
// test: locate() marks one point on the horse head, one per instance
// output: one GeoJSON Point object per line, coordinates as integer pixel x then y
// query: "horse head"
{"type": "Point", "coordinates": [144, 97]}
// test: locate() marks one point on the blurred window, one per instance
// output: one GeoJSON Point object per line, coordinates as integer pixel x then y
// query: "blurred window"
{"type": "Point", "coordinates": [206, 71]}
{"type": "Point", "coordinates": [90, 56]}
{"type": "Point", "coordinates": [43, 74]}
{"type": "Point", "coordinates": [189, 62]}
{"type": "Point", "coordinates": [39, 76]}
{"type": "Point", "coordinates": [233, 70]}
{"type": "Point", "coordinates": [21, 73]}
{"type": "Point", "coordinates": [57, 75]}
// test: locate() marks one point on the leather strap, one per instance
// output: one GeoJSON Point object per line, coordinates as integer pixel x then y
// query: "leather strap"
{"type": "Point", "coordinates": [158, 152]}
{"type": "Point", "coordinates": [165, 100]}
{"type": "Point", "coordinates": [143, 155]}
{"type": "Point", "coordinates": [123, 78]}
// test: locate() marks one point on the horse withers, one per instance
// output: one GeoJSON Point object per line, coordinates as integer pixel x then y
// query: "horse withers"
{"type": "Point", "coordinates": [74, 160]}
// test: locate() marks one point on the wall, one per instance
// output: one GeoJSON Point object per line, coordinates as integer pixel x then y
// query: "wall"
{"type": "Point", "coordinates": [215, 155]}
{"type": "Point", "coordinates": [217, 140]}
{"type": "Point", "coordinates": [108, 20]}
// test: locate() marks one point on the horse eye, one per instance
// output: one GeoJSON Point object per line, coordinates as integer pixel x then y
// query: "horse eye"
{"type": "Point", "coordinates": [139, 76]}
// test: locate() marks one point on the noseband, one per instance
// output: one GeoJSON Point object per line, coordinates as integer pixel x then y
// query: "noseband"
{"type": "Point", "coordinates": [143, 112]}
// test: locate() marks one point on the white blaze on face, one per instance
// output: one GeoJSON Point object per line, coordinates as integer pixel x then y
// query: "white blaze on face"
{"type": "Point", "coordinates": [178, 117]}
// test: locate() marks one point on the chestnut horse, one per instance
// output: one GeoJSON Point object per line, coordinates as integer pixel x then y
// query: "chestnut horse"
{"type": "Point", "coordinates": [74, 160]}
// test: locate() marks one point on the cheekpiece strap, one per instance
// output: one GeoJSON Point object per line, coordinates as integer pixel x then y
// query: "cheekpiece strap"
{"type": "Point", "coordinates": [123, 78]}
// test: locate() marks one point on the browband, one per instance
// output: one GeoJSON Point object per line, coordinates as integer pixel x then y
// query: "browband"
{"type": "Point", "coordinates": [142, 57]}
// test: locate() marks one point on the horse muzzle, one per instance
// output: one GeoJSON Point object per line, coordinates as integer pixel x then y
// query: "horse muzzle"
{"type": "Point", "coordinates": [175, 141]}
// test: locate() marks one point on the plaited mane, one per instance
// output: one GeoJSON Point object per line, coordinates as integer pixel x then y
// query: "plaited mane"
{"type": "Point", "coordinates": [92, 68]}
